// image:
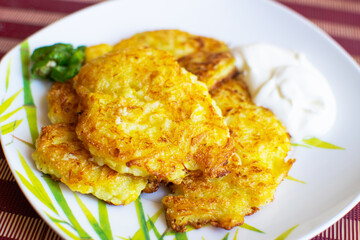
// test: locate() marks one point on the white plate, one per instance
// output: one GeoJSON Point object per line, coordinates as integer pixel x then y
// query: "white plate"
{"type": "Point", "coordinates": [331, 176]}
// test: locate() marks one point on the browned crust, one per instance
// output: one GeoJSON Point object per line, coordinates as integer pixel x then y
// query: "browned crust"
{"type": "Point", "coordinates": [189, 135]}
{"type": "Point", "coordinates": [61, 154]}
{"type": "Point", "coordinates": [262, 144]}
{"type": "Point", "coordinates": [222, 202]}
{"type": "Point", "coordinates": [152, 185]}
{"type": "Point", "coordinates": [63, 102]}
{"type": "Point", "coordinates": [208, 58]}
{"type": "Point", "coordinates": [210, 67]}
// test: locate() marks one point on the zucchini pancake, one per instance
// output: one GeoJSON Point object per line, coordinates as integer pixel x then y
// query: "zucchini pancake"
{"type": "Point", "coordinates": [262, 144]}
{"type": "Point", "coordinates": [165, 106]}
{"type": "Point", "coordinates": [209, 59]}
{"type": "Point", "coordinates": [142, 114]}
{"type": "Point", "coordinates": [61, 154]}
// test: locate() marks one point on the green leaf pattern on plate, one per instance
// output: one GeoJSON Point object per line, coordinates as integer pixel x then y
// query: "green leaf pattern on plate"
{"type": "Point", "coordinates": [300, 145]}
{"type": "Point", "coordinates": [154, 228]}
{"type": "Point", "coordinates": [6, 104]}
{"type": "Point", "coordinates": [144, 230]}
{"type": "Point", "coordinates": [5, 117]}
{"type": "Point", "coordinates": [316, 142]}
{"type": "Point", "coordinates": [251, 228]}
{"type": "Point", "coordinates": [67, 232]}
{"type": "Point", "coordinates": [7, 75]}
{"type": "Point", "coordinates": [225, 237]}
{"type": "Point", "coordinates": [60, 199]}
{"type": "Point", "coordinates": [25, 142]}
{"type": "Point", "coordinates": [34, 184]}
{"type": "Point", "coordinates": [96, 226]}
{"type": "Point", "coordinates": [104, 219]}
{"type": "Point", "coordinates": [29, 104]}
{"type": "Point", "coordinates": [10, 127]}
{"type": "Point", "coordinates": [285, 234]}
{"type": "Point", "coordinates": [181, 236]}
{"type": "Point", "coordinates": [236, 233]}
{"type": "Point", "coordinates": [313, 142]}
{"type": "Point", "coordinates": [150, 223]}
{"type": "Point", "coordinates": [295, 179]}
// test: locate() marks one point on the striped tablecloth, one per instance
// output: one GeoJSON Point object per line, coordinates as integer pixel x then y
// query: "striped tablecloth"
{"type": "Point", "coordinates": [21, 18]}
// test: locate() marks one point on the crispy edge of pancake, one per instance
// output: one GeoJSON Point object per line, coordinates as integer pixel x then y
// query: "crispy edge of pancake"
{"type": "Point", "coordinates": [230, 92]}
{"type": "Point", "coordinates": [257, 133]}
{"type": "Point", "coordinates": [96, 51]}
{"type": "Point", "coordinates": [208, 58]}
{"type": "Point", "coordinates": [259, 136]}
{"type": "Point", "coordinates": [178, 43]}
{"type": "Point", "coordinates": [224, 202]}
{"type": "Point", "coordinates": [61, 155]}
{"type": "Point", "coordinates": [63, 103]}
{"type": "Point", "coordinates": [210, 68]}
{"type": "Point", "coordinates": [94, 84]}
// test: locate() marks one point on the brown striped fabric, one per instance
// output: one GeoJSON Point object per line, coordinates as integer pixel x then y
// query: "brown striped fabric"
{"type": "Point", "coordinates": [20, 18]}
{"type": "Point", "coordinates": [339, 18]}
{"type": "Point", "coordinates": [5, 173]}
{"type": "Point", "coordinates": [16, 226]}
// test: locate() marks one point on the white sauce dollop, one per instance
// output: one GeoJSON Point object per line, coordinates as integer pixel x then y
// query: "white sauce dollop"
{"type": "Point", "coordinates": [285, 82]}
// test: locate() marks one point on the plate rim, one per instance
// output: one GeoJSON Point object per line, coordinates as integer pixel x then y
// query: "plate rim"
{"type": "Point", "coordinates": [284, 8]}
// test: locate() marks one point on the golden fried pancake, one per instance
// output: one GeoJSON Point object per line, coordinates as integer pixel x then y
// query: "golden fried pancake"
{"type": "Point", "coordinates": [63, 102]}
{"type": "Point", "coordinates": [262, 144]}
{"type": "Point", "coordinates": [176, 42]}
{"type": "Point", "coordinates": [223, 202]}
{"type": "Point", "coordinates": [209, 59]}
{"type": "Point", "coordinates": [60, 154]}
{"type": "Point", "coordinates": [257, 133]}
{"type": "Point", "coordinates": [230, 93]}
{"type": "Point", "coordinates": [141, 113]}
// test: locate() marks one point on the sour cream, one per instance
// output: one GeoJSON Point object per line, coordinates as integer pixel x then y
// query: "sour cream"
{"type": "Point", "coordinates": [290, 86]}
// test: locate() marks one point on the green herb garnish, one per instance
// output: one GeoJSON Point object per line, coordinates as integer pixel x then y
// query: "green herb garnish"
{"type": "Point", "coordinates": [59, 62]}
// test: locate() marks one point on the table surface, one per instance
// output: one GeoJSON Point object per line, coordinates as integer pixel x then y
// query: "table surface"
{"type": "Point", "coordinates": [21, 18]}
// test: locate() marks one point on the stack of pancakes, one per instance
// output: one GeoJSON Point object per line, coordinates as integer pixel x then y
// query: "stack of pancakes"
{"type": "Point", "coordinates": [165, 107]}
